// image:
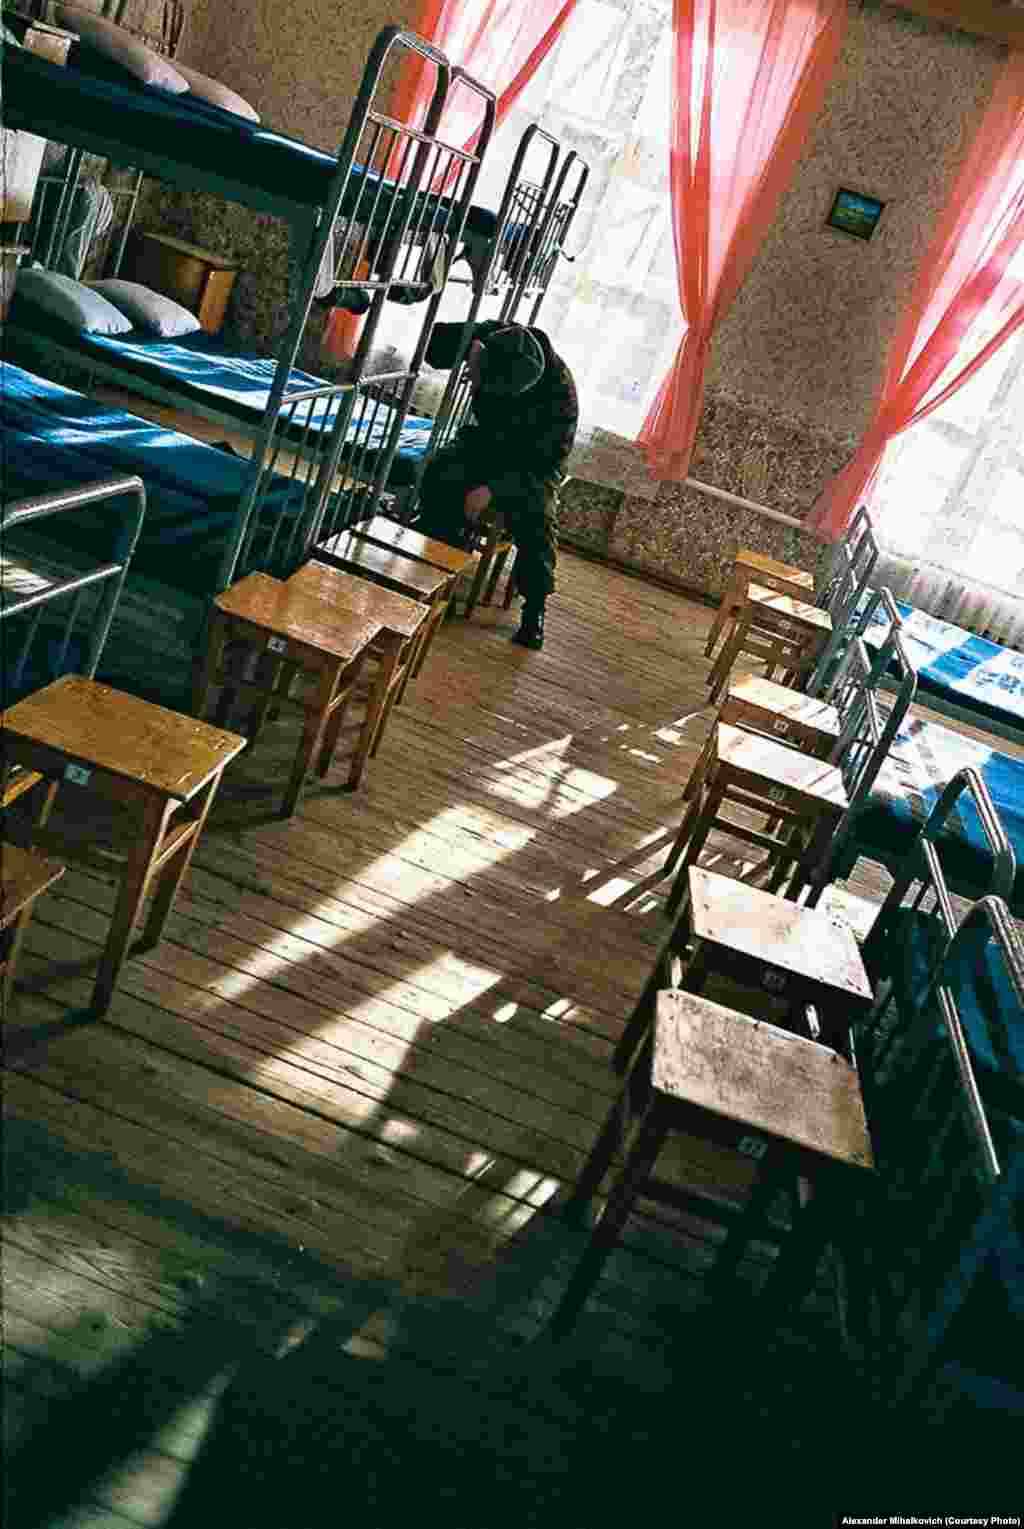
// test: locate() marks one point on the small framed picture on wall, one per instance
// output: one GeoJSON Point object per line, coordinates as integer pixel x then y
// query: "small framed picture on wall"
{"type": "Point", "coordinates": [853, 213]}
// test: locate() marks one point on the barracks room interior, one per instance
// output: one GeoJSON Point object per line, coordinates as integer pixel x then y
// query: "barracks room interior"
{"type": "Point", "coordinates": [512, 761]}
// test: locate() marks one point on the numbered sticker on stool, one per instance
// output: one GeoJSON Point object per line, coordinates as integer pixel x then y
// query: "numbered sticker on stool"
{"type": "Point", "coordinates": [277, 645]}
{"type": "Point", "coordinates": [752, 1146]}
{"type": "Point", "coordinates": [780, 726]}
{"type": "Point", "coordinates": [777, 793]}
{"type": "Point", "coordinates": [773, 980]}
{"type": "Point", "coordinates": [78, 775]}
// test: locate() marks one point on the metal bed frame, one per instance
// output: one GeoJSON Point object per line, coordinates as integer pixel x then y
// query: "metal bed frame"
{"type": "Point", "coordinates": [397, 227]}
{"type": "Point", "coordinates": [35, 576]}
{"type": "Point", "coordinates": [534, 222]}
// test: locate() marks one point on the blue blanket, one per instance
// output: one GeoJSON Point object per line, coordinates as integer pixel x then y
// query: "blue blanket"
{"type": "Point", "coordinates": [971, 672]}
{"type": "Point", "coordinates": [924, 758]}
{"type": "Point", "coordinates": [54, 436]}
{"type": "Point", "coordinates": [201, 368]}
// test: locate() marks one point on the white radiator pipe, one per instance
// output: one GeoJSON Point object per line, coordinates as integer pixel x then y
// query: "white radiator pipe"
{"type": "Point", "coordinates": [743, 504]}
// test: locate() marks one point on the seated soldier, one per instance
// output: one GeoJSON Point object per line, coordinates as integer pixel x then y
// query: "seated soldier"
{"type": "Point", "coordinates": [511, 454]}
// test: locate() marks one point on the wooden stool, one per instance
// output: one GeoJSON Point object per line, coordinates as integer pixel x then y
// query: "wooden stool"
{"type": "Point", "coordinates": [23, 876]}
{"type": "Point", "coordinates": [782, 632]}
{"type": "Point", "coordinates": [291, 630]}
{"type": "Point", "coordinates": [401, 624]}
{"type": "Point", "coordinates": [754, 568]}
{"type": "Point", "coordinates": [494, 554]}
{"type": "Point", "coordinates": [760, 706]}
{"type": "Point", "coordinates": [422, 549]}
{"type": "Point", "coordinates": [800, 957]}
{"type": "Point", "coordinates": [419, 581]}
{"type": "Point", "coordinates": [801, 796]}
{"type": "Point", "coordinates": [162, 767]}
{"type": "Point", "coordinates": [790, 1104]}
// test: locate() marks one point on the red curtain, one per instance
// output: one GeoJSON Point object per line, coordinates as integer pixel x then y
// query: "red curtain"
{"type": "Point", "coordinates": [748, 78]}
{"type": "Point", "coordinates": [964, 304]}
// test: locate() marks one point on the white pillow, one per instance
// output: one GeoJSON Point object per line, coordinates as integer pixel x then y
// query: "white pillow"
{"type": "Point", "coordinates": [147, 309]}
{"type": "Point", "coordinates": [71, 301]}
{"type": "Point", "coordinates": [114, 42]}
{"type": "Point", "coordinates": [217, 94]}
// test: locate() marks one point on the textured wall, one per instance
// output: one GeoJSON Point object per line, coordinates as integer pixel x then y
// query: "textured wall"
{"type": "Point", "coordinates": [808, 331]}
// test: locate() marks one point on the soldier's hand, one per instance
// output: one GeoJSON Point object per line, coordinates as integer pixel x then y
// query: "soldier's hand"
{"type": "Point", "coordinates": [477, 501]}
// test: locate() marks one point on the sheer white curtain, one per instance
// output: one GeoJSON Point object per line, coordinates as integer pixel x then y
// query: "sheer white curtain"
{"type": "Point", "coordinates": [613, 308]}
{"type": "Point", "coordinates": [951, 489]}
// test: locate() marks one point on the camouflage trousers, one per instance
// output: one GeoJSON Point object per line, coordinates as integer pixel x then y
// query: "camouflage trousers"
{"type": "Point", "coordinates": [531, 520]}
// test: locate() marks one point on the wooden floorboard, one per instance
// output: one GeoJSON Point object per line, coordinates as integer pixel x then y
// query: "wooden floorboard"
{"type": "Point", "coordinates": [326, 1123]}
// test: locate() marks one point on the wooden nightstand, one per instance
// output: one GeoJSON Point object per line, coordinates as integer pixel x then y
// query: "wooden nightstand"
{"type": "Point", "coordinates": [198, 279]}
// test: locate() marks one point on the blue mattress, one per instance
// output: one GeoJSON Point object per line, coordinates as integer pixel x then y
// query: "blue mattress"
{"type": "Point", "coordinates": [201, 368]}
{"type": "Point", "coordinates": [53, 436]}
{"type": "Point", "coordinates": [92, 102]}
{"type": "Point", "coordinates": [924, 759]}
{"type": "Point", "coordinates": [970, 672]}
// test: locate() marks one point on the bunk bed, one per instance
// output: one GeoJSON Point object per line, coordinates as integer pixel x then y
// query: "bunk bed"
{"type": "Point", "coordinates": [401, 233]}
{"type": "Point", "coordinates": [511, 257]}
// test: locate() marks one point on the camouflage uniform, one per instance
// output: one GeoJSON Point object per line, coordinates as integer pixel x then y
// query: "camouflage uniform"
{"type": "Point", "coordinates": [519, 447]}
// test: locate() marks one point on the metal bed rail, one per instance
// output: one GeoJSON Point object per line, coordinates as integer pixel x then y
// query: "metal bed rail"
{"type": "Point", "coordinates": [538, 259]}
{"type": "Point", "coordinates": [42, 586]}
{"type": "Point", "coordinates": [520, 219]}
{"type": "Point", "coordinates": [426, 230]}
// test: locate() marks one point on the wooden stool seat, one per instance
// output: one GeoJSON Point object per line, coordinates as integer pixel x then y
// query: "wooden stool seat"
{"type": "Point", "coordinates": [798, 957]}
{"type": "Point", "coordinates": [786, 1102]}
{"type": "Point", "coordinates": [789, 716]}
{"type": "Point", "coordinates": [801, 795]}
{"type": "Point", "coordinates": [290, 628]}
{"type": "Point", "coordinates": [755, 567]}
{"type": "Point", "coordinates": [419, 581]}
{"type": "Point", "coordinates": [409, 543]}
{"type": "Point", "coordinates": [163, 767]}
{"type": "Point", "coordinates": [776, 628]}
{"type": "Point", "coordinates": [402, 622]}
{"type": "Point", "coordinates": [24, 876]}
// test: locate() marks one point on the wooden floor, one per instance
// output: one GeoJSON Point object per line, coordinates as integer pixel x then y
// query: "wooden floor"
{"type": "Point", "coordinates": [281, 1230]}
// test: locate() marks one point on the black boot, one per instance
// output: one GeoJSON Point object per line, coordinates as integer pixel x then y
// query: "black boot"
{"type": "Point", "coordinates": [531, 629]}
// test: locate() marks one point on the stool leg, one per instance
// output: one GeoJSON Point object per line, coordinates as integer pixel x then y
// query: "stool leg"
{"type": "Point", "coordinates": [17, 936]}
{"type": "Point", "coordinates": [700, 769]}
{"type": "Point", "coordinates": [510, 587]}
{"type": "Point", "coordinates": [429, 633]}
{"type": "Point", "coordinates": [731, 649]}
{"type": "Point", "coordinates": [651, 1136]}
{"type": "Point", "coordinates": [774, 1172]}
{"type": "Point", "coordinates": [173, 873]}
{"type": "Point", "coordinates": [378, 707]}
{"type": "Point", "coordinates": [212, 658]}
{"type": "Point", "coordinates": [316, 717]}
{"type": "Point", "coordinates": [702, 828]}
{"type": "Point", "coordinates": [798, 1258]}
{"type": "Point", "coordinates": [335, 720]}
{"type": "Point", "coordinates": [134, 884]}
{"type": "Point", "coordinates": [496, 571]}
{"type": "Point", "coordinates": [483, 570]}
{"type": "Point", "coordinates": [726, 608]}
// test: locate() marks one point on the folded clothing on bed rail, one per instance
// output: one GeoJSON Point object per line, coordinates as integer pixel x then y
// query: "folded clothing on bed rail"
{"type": "Point", "coordinates": [969, 671]}
{"type": "Point", "coordinates": [924, 759]}
{"type": "Point", "coordinates": [201, 369]}
{"type": "Point", "coordinates": [79, 106]}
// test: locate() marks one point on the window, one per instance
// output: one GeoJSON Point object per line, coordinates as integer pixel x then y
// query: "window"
{"type": "Point", "coordinates": [613, 308]}
{"type": "Point", "coordinates": [951, 489]}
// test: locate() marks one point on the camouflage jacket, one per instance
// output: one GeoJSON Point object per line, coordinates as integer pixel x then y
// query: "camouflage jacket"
{"type": "Point", "coordinates": [524, 441]}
